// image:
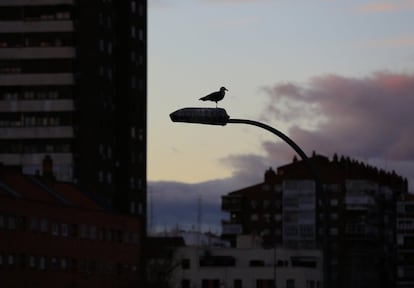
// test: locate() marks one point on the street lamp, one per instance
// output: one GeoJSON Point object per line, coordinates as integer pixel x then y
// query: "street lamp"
{"type": "Point", "coordinates": [219, 116]}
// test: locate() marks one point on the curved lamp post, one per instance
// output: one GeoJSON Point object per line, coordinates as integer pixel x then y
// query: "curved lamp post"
{"type": "Point", "coordinates": [219, 116]}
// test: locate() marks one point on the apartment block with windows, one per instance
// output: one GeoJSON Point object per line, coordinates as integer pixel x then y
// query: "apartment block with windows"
{"type": "Point", "coordinates": [73, 87]}
{"type": "Point", "coordinates": [287, 211]}
{"type": "Point", "coordinates": [54, 234]}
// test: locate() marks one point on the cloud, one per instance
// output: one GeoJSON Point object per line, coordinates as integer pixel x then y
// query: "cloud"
{"type": "Point", "coordinates": [377, 7]}
{"type": "Point", "coordinates": [246, 167]}
{"type": "Point", "coordinates": [399, 41]}
{"type": "Point", "coordinates": [384, 7]}
{"type": "Point", "coordinates": [369, 119]}
{"type": "Point", "coordinates": [175, 203]}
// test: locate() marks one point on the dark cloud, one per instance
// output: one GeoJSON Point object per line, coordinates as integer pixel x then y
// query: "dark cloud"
{"type": "Point", "coordinates": [363, 117]}
{"type": "Point", "coordinates": [173, 203]}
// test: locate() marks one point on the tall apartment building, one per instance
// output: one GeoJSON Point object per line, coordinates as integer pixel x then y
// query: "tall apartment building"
{"type": "Point", "coordinates": [73, 88]}
{"type": "Point", "coordinates": [287, 211]}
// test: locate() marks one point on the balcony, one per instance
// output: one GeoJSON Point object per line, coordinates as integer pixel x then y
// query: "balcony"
{"type": "Point", "coordinates": [36, 132]}
{"type": "Point", "coordinates": [231, 203]}
{"type": "Point", "coordinates": [37, 105]}
{"type": "Point", "coordinates": [37, 53]}
{"type": "Point", "coordinates": [36, 26]}
{"type": "Point", "coordinates": [18, 79]}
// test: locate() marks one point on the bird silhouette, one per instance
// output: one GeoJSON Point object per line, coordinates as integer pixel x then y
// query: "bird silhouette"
{"type": "Point", "coordinates": [215, 96]}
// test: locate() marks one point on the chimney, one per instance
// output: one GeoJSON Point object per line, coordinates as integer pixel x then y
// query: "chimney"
{"type": "Point", "coordinates": [48, 167]}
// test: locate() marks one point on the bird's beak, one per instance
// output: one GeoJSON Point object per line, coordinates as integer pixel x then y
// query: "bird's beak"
{"type": "Point", "coordinates": [226, 89]}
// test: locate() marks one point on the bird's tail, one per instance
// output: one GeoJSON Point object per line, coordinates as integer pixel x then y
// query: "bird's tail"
{"type": "Point", "coordinates": [203, 98]}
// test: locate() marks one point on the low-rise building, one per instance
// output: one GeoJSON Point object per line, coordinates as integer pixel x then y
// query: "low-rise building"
{"type": "Point", "coordinates": [174, 264]}
{"type": "Point", "coordinates": [53, 234]}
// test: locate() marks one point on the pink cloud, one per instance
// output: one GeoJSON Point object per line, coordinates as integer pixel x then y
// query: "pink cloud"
{"type": "Point", "coordinates": [363, 117]}
{"type": "Point", "coordinates": [377, 7]}
{"type": "Point", "coordinates": [386, 6]}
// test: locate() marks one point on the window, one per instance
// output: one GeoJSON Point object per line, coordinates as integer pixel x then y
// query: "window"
{"type": "Point", "coordinates": [54, 264]}
{"type": "Point", "coordinates": [109, 48]}
{"type": "Point", "coordinates": [256, 263]}
{"type": "Point", "coordinates": [237, 283]}
{"type": "Point", "coordinates": [42, 263]}
{"type": "Point", "coordinates": [141, 35]}
{"type": "Point", "coordinates": [141, 10]}
{"type": "Point", "coordinates": [74, 230]}
{"type": "Point", "coordinates": [32, 262]}
{"type": "Point", "coordinates": [83, 266]}
{"type": "Point", "coordinates": [290, 283]}
{"type": "Point", "coordinates": [264, 283]}
{"type": "Point", "coordinates": [101, 45]}
{"type": "Point", "coordinates": [185, 263]}
{"type": "Point", "coordinates": [83, 231]}
{"type": "Point", "coordinates": [22, 261]}
{"type": "Point", "coordinates": [10, 259]}
{"type": "Point", "coordinates": [334, 202]}
{"type": "Point", "coordinates": [43, 225]}
{"type": "Point", "coordinates": [100, 176]}
{"type": "Point", "coordinates": [64, 230]}
{"type": "Point", "coordinates": [102, 234]}
{"type": "Point", "coordinates": [110, 234]}
{"type": "Point", "coordinates": [120, 236]}
{"type": "Point", "coordinates": [185, 283]}
{"type": "Point", "coordinates": [210, 283]}
{"type": "Point", "coordinates": [74, 265]}
{"type": "Point", "coordinates": [310, 284]}
{"type": "Point", "coordinates": [92, 232]}
{"type": "Point", "coordinates": [132, 205]}
{"type": "Point", "coordinates": [2, 224]}
{"type": "Point", "coordinates": [133, 31]}
{"type": "Point", "coordinates": [55, 229]}
{"type": "Point", "coordinates": [92, 266]}
{"type": "Point", "coordinates": [12, 223]}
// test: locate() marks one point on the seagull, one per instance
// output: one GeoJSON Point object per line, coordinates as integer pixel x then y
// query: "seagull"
{"type": "Point", "coordinates": [215, 96]}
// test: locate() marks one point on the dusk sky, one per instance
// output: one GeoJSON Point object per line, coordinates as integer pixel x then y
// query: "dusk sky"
{"type": "Point", "coordinates": [335, 76]}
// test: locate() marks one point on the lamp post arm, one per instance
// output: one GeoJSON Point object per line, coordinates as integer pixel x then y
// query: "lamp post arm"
{"type": "Point", "coordinates": [284, 138]}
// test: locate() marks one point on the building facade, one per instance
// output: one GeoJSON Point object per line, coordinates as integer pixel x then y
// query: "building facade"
{"type": "Point", "coordinates": [54, 234]}
{"type": "Point", "coordinates": [73, 87]}
{"type": "Point", "coordinates": [405, 242]}
{"type": "Point", "coordinates": [286, 210]}
{"type": "Point", "coordinates": [246, 266]}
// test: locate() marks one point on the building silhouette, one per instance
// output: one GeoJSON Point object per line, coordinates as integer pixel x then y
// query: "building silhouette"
{"type": "Point", "coordinates": [286, 211]}
{"type": "Point", "coordinates": [73, 88]}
